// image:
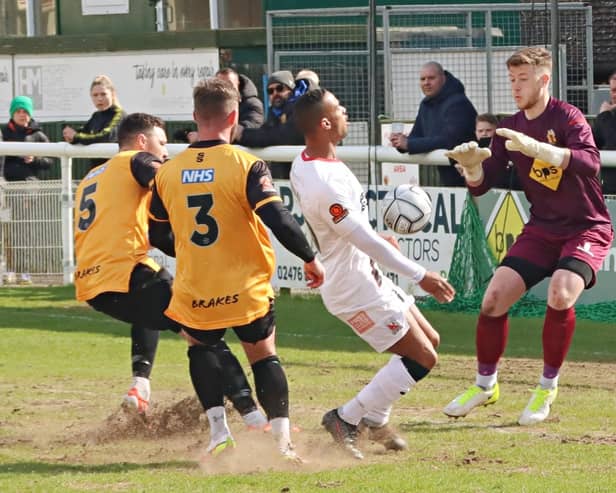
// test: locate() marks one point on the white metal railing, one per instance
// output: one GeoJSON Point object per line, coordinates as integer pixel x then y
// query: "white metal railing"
{"type": "Point", "coordinates": [65, 151]}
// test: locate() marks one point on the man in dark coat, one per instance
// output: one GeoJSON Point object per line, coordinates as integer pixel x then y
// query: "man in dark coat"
{"type": "Point", "coordinates": [446, 118]}
{"type": "Point", "coordinates": [251, 107]}
{"type": "Point", "coordinates": [604, 131]}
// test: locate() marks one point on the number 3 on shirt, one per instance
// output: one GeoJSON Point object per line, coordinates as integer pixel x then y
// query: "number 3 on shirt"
{"type": "Point", "coordinates": [204, 203]}
{"type": "Point", "coordinates": [87, 204]}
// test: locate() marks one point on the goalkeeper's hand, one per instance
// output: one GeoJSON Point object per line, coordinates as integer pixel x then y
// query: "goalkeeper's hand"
{"type": "Point", "coordinates": [469, 157]}
{"type": "Point", "coordinates": [517, 141]}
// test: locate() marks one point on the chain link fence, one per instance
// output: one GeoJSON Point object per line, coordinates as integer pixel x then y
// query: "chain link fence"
{"type": "Point", "coordinates": [470, 41]}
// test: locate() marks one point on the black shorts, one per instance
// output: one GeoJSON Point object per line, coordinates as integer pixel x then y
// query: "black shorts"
{"type": "Point", "coordinates": [148, 296]}
{"type": "Point", "coordinates": [255, 331]}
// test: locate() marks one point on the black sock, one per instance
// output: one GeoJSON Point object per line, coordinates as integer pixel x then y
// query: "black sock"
{"type": "Point", "coordinates": [206, 376]}
{"type": "Point", "coordinates": [236, 386]}
{"type": "Point", "coordinates": [272, 388]}
{"type": "Point", "coordinates": [143, 350]}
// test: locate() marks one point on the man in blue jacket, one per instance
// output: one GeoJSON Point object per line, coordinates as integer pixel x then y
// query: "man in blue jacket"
{"type": "Point", "coordinates": [446, 118]}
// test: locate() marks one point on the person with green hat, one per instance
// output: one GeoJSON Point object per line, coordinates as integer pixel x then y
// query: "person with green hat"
{"type": "Point", "coordinates": [22, 128]}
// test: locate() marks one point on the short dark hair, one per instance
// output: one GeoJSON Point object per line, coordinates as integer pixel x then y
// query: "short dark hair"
{"type": "Point", "coordinates": [213, 98]}
{"type": "Point", "coordinates": [227, 71]}
{"type": "Point", "coordinates": [308, 109]}
{"type": "Point", "coordinates": [137, 123]}
{"type": "Point", "coordinates": [487, 117]}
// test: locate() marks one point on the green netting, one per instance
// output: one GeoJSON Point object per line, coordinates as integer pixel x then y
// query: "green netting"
{"type": "Point", "coordinates": [472, 266]}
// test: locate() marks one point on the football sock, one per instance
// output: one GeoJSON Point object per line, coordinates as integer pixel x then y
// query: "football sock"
{"type": "Point", "coordinates": [486, 382]}
{"type": "Point", "coordinates": [142, 384]}
{"type": "Point", "coordinates": [272, 387]}
{"type": "Point", "coordinates": [219, 429]}
{"type": "Point", "coordinates": [206, 376]}
{"type": "Point", "coordinates": [548, 383]}
{"type": "Point", "coordinates": [558, 328]}
{"type": "Point", "coordinates": [236, 386]}
{"type": "Point", "coordinates": [387, 386]}
{"type": "Point", "coordinates": [378, 416]}
{"type": "Point", "coordinates": [491, 340]}
{"type": "Point", "coordinates": [255, 419]}
{"type": "Point", "coordinates": [143, 349]}
{"type": "Point", "coordinates": [281, 431]}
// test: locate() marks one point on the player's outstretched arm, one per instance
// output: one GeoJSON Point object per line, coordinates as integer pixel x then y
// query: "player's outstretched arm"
{"type": "Point", "coordinates": [469, 157]}
{"type": "Point", "coordinates": [382, 251]}
{"type": "Point", "coordinates": [548, 153]}
{"type": "Point", "coordinates": [436, 285]}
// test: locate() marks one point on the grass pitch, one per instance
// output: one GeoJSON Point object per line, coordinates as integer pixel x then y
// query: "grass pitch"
{"type": "Point", "coordinates": [64, 368]}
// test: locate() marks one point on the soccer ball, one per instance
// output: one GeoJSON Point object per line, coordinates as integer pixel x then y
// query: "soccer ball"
{"type": "Point", "coordinates": [406, 209]}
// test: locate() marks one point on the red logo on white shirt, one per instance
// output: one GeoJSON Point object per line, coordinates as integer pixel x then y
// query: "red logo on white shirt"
{"type": "Point", "coordinates": [361, 322]}
{"type": "Point", "coordinates": [338, 212]}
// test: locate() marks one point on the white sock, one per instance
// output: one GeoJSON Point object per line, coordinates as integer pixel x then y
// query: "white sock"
{"type": "Point", "coordinates": [486, 381]}
{"type": "Point", "coordinates": [378, 417]}
{"type": "Point", "coordinates": [255, 419]}
{"type": "Point", "coordinates": [548, 383]}
{"type": "Point", "coordinates": [281, 431]}
{"type": "Point", "coordinates": [219, 429]}
{"type": "Point", "coordinates": [143, 386]}
{"type": "Point", "coordinates": [389, 384]}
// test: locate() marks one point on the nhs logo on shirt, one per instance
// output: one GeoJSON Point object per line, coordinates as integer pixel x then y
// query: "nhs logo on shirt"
{"type": "Point", "coordinates": [198, 175]}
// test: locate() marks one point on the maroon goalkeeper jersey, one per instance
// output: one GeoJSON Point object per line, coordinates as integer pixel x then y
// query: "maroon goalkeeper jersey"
{"type": "Point", "coordinates": [562, 201]}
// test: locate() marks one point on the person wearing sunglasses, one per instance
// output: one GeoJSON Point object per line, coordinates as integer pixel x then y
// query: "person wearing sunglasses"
{"type": "Point", "coordinates": [279, 128]}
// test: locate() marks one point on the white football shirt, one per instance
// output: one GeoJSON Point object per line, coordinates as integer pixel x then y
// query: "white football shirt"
{"type": "Point", "coordinates": [334, 204]}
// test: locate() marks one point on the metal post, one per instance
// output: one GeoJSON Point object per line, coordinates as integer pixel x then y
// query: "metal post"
{"type": "Point", "coordinates": [555, 41]}
{"type": "Point", "coordinates": [68, 254]}
{"type": "Point", "coordinates": [213, 14]}
{"type": "Point", "coordinates": [489, 60]}
{"type": "Point", "coordinates": [270, 42]}
{"type": "Point", "coordinates": [469, 29]}
{"type": "Point", "coordinates": [387, 65]}
{"type": "Point", "coordinates": [30, 18]}
{"type": "Point", "coordinates": [372, 82]}
{"type": "Point", "coordinates": [590, 76]}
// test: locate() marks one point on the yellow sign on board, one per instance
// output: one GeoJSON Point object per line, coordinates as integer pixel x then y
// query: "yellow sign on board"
{"type": "Point", "coordinates": [505, 225]}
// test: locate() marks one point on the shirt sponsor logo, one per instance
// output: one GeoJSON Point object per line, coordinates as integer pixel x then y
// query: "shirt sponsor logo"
{"type": "Point", "coordinates": [198, 175]}
{"type": "Point", "coordinates": [338, 212]}
{"type": "Point", "coordinates": [229, 299]}
{"type": "Point", "coordinates": [80, 274]}
{"type": "Point", "coordinates": [361, 322]}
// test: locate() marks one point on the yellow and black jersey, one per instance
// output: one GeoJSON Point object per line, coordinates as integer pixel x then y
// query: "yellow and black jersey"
{"type": "Point", "coordinates": [209, 194]}
{"type": "Point", "coordinates": [111, 225]}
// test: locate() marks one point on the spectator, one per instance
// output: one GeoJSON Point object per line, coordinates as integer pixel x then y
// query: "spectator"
{"type": "Point", "coordinates": [103, 124]}
{"type": "Point", "coordinates": [310, 76]}
{"type": "Point", "coordinates": [279, 129]}
{"type": "Point", "coordinates": [445, 119]}
{"type": "Point", "coordinates": [485, 128]}
{"type": "Point", "coordinates": [251, 107]}
{"type": "Point", "coordinates": [604, 131]}
{"type": "Point", "coordinates": [22, 128]}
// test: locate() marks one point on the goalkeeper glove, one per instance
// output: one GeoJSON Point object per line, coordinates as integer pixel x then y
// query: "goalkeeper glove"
{"type": "Point", "coordinates": [517, 141]}
{"type": "Point", "coordinates": [469, 157]}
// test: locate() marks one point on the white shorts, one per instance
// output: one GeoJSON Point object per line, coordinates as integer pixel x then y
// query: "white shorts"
{"type": "Point", "coordinates": [382, 323]}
